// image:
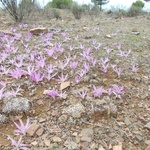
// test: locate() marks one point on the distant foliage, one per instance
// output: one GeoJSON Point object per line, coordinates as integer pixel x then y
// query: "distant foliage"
{"type": "Point", "coordinates": [76, 10]}
{"type": "Point", "coordinates": [61, 4]}
{"type": "Point", "coordinates": [134, 11]}
{"type": "Point", "coordinates": [138, 4]}
{"type": "Point", "coordinates": [100, 2]}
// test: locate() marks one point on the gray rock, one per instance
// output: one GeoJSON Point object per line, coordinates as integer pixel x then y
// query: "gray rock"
{"type": "Point", "coordinates": [127, 121]}
{"type": "Point", "coordinates": [71, 145]}
{"type": "Point", "coordinates": [17, 104]}
{"type": "Point", "coordinates": [147, 126]}
{"type": "Point", "coordinates": [75, 110]}
{"type": "Point", "coordinates": [87, 135]}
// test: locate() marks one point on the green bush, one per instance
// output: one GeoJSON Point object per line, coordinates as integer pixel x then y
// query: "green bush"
{"type": "Point", "coordinates": [76, 10]}
{"type": "Point", "coordinates": [61, 4]}
{"type": "Point", "coordinates": [134, 11]}
{"type": "Point", "coordinates": [138, 4]}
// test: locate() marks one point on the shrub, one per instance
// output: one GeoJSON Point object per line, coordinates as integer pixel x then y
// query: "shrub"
{"type": "Point", "coordinates": [138, 4]}
{"type": "Point", "coordinates": [76, 10]}
{"type": "Point", "coordinates": [61, 4]}
{"type": "Point", "coordinates": [134, 11]}
{"type": "Point", "coordinates": [19, 10]}
{"type": "Point", "coordinates": [94, 10]}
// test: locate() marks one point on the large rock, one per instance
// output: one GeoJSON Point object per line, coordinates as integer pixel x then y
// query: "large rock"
{"type": "Point", "coordinates": [39, 30]}
{"type": "Point", "coordinates": [17, 105]}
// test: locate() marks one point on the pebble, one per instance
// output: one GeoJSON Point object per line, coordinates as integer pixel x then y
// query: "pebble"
{"type": "Point", "coordinates": [32, 129]}
{"type": "Point", "coordinates": [147, 126]}
{"type": "Point", "coordinates": [56, 139]}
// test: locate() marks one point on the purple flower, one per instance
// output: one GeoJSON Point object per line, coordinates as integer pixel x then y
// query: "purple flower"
{"type": "Point", "coordinates": [104, 68]}
{"type": "Point", "coordinates": [123, 53]}
{"type": "Point", "coordinates": [77, 79]}
{"type": "Point", "coordinates": [93, 61]}
{"type": "Point", "coordinates": [62, 78]}
{"type": "Point", "coordinates": [1, 93]}
{"type": "Point", "coordinates": [108, 50]}
{"type": "Point", "coordinates": [86, 66]}
{"type": "Point", "coordinates": [134, 68]}
{"type": "Point", "coordinates": [82, 72]}
{"type": "Point", "coordinates": [53, 93]}
{"type": "Point", "coordinates": [118, 71]}
{"type": "Point", "coordinates": [15, 92]}
{"type": "Point", "coordinates": [17, 73]}
{"type": "Point", "coordinates": [18, 145]}
{"type": "Point", "coordinates": [117, 90]}
{"type": "Point", "coordinates": [62, 65]}
{"type": "Point", "coordinates": [37, 76]}
{"type": "Point", "coordinates": [50, 52]}
{"type": "Point", "coordinates": [4, 70]}
{"type": "Point", "coordinates": [71, 47]}
{"type": "Point", "coordinates": [82, 94]}
{"type": "Point", "coordinates": [104, 60]}
{"type": "Point", "coordinates": [97, 92]}
{"type": "Point", "coordinates": [73, 64]}
{"type": "Point", "coordinates": [61, 94]}
{"type": "Point", "coordinates": [41, 62]}
{"type": "Point", "coordinates": [22, 128]}
{"type": "Point", "coordinates": [30, 70]}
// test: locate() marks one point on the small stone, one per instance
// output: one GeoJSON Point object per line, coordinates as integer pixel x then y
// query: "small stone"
{"type": "Point", "coordinates": [32, 129]}
{"type": "Point", "coordinates": [121, 124]}
{"type": "Point", "coordinates": [87, 135]}
{"type": "Point", "coordinates": [40, 131]}
{"type": "Point", "coordinates": [147, 126]}
{"type": "Point", "coordinates": [148, 148]}
{"type": "Point", "coordinates": [93, 146]}
{"type": "Point", "coordinates": [41, 120]}
{"type": "Point", "coordinates": [47, 142]}
{"type": "Point", "coordinates": [70, 145]}
{"type": "Point", "coordinates": [127, 121]}
{"type": "Point", "coordinates": [75, 134]}
{"type": "Point", "coordinates": [40, 102]}
{"type": "Point", "coordinates": [34, 143]}
{"type": "Point", "coordinates": [139, 138]}
{"type": "Point", "coordinates": [108, 36]}
{"type": "Point", "coordinates": [134, 30]}
{"type": "Point", "coordinates": [56, 139]}
{"type": "Point", "coordinates": [101, 148]}
{"type": "Point", "coordinates": [147, 142]}
{"type": "Point", "coordinates": [86, 139]}
{"type": "Point", "coordinates": [37, 31]}
{"type": "Point", "coordinates": [63, 118]}
{"type": "Point", "coordinates": [64, 85]}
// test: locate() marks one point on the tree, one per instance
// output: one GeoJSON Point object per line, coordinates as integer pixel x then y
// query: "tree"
{"type": "Point", "coordinates": [18, 10]}
{"type": "Point", "coordinates": [100, 2]}
{"type": "Point", "coordinates": [139, 4]}
{"type": "Point", "coordinates": [61, 4]}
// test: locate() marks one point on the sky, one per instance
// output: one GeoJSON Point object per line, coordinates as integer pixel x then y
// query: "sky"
{"type": "Point", "coordinates": [112, 3]}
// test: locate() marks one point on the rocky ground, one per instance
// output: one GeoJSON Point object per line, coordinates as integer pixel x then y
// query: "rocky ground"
{"type": "Point", "coordinates": [83, 84]}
